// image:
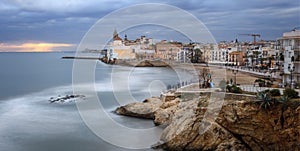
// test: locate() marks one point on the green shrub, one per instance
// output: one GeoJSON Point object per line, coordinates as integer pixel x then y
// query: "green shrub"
{"type": "Point", "coordinates": [291, 93]}
{"type": "Point", "coordinates": [269, 84]}
{"type": "Point", "coordinates": [297, 85]}
{"type": "Point", "coordinates": [234, 89]}
{"type": "Point", "coordinates": [228, 87]}
{"type": "Point", "coordinates": [275, 92]}
{"type": "Point", "coordinates": [237, 90]}
{"type": "Point", "coordinates": [283, 100]}
{"type": "Point", "coordinates": [261, 82]}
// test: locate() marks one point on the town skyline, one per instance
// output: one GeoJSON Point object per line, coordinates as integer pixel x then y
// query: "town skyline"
{"type": "Point", "coordinates": [49, 23]}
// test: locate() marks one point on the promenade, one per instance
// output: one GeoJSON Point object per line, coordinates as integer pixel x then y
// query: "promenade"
{"type": "Point", "coordinates": [251, 88]}
{"type": "Point", "coordinates": [256, 72]}
{"type": "Point", "coordinates": [194, 87]}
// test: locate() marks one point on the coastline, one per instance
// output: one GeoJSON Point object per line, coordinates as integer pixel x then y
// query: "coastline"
{"type": "Point", "coordinates": [240, 125]}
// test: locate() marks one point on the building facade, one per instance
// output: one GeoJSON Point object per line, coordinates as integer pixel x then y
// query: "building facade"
{"type": "Point", "coordinates": [167, 50]}
{"type": "Point", "coordinates": [289, 45]}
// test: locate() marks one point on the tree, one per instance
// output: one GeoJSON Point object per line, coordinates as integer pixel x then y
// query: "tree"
{"type": "Point", "coordinates": [204, 75]}
{"type": "Point", "coordinates": [196, 56]}
{"type": "Point", "coordinates": [283, 100]}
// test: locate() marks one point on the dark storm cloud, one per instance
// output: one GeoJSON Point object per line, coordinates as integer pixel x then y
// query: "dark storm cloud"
{"type": "Point", "coordinates": [68, 20]}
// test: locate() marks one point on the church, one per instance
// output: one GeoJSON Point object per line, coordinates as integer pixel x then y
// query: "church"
{"type": "Point", "coordinates": [118, 49]}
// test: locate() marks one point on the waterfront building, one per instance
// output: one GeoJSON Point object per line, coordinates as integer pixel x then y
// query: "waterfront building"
{"type": "Point", "coordinates": [142, 52]}
{"type": "Point", "coordinates": [167, 50]}
{"type": "Point", "coordinates": [289, 46]}
{"type": "Point", "coordinates": [184, 56]}
{"type": "Point", "coordinates": [118, 50]}
{"type": "Point", "coordinates": [237, 58]}
{"type": "Point", "coordinates": [225, 49]}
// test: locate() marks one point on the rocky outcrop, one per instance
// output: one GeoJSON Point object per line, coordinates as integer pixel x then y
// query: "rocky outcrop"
{"type": "Point", "coordinates": [259, 129]}
{"type": "Point", "coordinates": [240, 124]}
{"type": "Point", "coordinates": [159, 109]}
{"type": "Point", "coordinates": [163, 116]}
{"type": "Point", "coordinates": [183, 133]}
{"type": "Point", "coordinates": [145, 109]}
{"type": "Point", "coordinates": [67, 98]}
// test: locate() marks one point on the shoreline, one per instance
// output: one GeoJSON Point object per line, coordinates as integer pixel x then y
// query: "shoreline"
{"type": "Point", "coordinates": [242, 76]}
{"type": "Point", "coordinates": [180, 113]}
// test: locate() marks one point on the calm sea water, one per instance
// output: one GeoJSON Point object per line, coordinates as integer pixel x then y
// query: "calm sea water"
{"type": "Point", "coordinates": [28, 122]}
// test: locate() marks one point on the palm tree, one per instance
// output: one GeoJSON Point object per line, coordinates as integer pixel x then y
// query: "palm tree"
{"type": "Point", "coordinates": [283, 99]}
{"type": "Point", "coordinates": [265, 99]}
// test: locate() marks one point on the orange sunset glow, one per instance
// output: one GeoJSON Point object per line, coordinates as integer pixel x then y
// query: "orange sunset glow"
{"type": "Point", "coordinates": [33, 47]}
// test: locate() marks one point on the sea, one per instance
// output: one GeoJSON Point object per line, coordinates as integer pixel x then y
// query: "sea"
{"type": "Point", "coordinates": [30, 122]}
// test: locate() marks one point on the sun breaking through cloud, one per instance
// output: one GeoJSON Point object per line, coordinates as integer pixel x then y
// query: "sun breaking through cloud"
{"type": "Point", "coordinates": [33, 47]}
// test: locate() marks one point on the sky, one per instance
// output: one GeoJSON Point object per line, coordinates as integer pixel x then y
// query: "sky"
{"type": "Point", "coordinates": [48, 25]}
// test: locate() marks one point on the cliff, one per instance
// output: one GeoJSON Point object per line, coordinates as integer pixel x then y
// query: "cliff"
{"type": "Point", "coordinates": [240, 125]}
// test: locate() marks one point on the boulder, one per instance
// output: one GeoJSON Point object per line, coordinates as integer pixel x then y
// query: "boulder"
{"type": "Point", "coordinates": [145, 109]}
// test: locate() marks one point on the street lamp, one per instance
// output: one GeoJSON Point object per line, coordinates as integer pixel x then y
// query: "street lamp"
{"type": "Point", "coordinates": [235, 72]}
{"type": "Point", "coordinates": [291, 70]}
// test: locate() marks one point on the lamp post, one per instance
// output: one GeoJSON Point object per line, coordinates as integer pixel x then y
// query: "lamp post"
{"type": "Point", "coordinates": [235, 72]}
{"type": "Point", "coordinates": [291, 70]}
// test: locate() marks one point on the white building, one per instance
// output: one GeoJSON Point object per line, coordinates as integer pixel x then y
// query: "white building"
{"type": "Point", "coordinates": [289, 45]}
{"type": "Point", "coordinates": [183, 56]}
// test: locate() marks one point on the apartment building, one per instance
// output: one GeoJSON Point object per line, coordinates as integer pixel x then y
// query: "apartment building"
{"type": "Point", "coordinates": [289, 46]}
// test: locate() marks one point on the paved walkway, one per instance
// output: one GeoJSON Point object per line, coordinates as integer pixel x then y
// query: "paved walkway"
{"type": "Point", "coordinates": [251, 88]}
{"type": "Point", "coordinates": [261, 73]}
{"type": "Point", "coordinates": [256, 72]}
{"type": "Point", "coordinates": [194, 87]}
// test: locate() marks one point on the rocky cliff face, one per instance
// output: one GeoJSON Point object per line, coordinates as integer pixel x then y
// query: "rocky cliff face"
{"type": "Point", "coordinates": [240, 124]}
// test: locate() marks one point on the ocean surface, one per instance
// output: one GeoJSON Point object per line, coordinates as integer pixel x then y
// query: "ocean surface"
{"type": "Point", "coordinates": [29, 122]}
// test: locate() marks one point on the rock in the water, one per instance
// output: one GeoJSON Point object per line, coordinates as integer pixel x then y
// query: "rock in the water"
{"type": "Point", "coordinates": [66, 98]}
{"type": "Point", "coordinates": [144, 109]}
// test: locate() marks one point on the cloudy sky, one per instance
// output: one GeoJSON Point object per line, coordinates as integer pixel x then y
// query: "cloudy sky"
{"type": "Point", "coordinates": [60, 25]}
